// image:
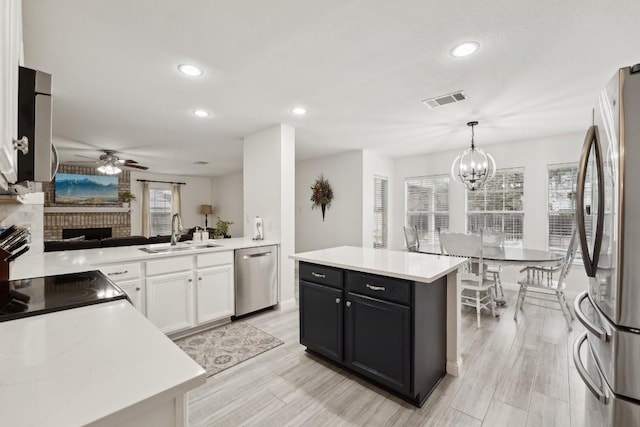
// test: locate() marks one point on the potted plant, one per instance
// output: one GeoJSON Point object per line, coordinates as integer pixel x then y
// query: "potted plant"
{"type": "Point", "coordinates": [126, 199]}
{"type": "Point", "coordinates": [222, 229]}
{"type": "Point", "coordinates": [321, 194]}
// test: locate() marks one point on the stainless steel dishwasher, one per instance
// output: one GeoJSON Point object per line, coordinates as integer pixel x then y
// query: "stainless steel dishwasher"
{"type": "Point", "coordinates": [256, 278]}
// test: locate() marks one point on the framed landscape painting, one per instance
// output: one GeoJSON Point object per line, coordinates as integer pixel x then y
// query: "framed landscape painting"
{"type": "Point", "coordinates": [86, 189]}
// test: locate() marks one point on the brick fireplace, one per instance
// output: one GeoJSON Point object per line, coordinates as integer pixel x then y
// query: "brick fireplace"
{"type": "Point", "coordinates": [56, 222]}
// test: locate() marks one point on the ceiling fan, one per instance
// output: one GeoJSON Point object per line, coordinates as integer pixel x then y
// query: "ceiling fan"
{"type": "Point", "coordinates": [110, 164]}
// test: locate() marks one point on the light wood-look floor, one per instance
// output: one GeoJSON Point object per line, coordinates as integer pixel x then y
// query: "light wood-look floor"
{"type": "Point", "coordinates": [515, 374]}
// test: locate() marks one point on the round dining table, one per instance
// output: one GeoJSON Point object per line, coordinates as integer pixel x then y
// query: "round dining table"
{"type": "Point", "coordinates": [503, 256]}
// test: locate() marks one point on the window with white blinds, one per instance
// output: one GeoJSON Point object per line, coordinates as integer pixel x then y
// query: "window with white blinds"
{"type": "Point", "coordinates": [427, 205]}
{"type": "Point", "coordinates": [159, 211]}
{"type": "Point", "coordinates": [498, 206]}
{"type": "Point", "coordinates": [380, 211]}
{"type": "Point", "coordinates": [562, 204]}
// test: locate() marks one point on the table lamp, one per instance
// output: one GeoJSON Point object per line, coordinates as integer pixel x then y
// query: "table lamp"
{"type": "Point", "coordinates": [206, 210]}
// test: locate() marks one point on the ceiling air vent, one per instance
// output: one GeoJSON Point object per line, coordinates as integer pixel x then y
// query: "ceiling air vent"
{"type": "Point", "coordinates": [449, 98]}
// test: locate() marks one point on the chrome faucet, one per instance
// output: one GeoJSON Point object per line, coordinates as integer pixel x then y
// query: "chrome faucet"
{"type": "Point", "coordinates": [176, 228]}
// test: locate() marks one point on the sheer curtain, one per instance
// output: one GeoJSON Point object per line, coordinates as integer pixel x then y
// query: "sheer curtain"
{"type": "Point", "coordinates": [175, 200]}
{"type": "Point", "coordinates": [146, 231]}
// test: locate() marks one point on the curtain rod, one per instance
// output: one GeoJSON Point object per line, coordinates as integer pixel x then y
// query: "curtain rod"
{"type": "Point", "coordinates": [163, 182]}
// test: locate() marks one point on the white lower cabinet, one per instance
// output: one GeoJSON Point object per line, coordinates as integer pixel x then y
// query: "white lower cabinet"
{"type": "Point", "coordinates": [134, 290]}
{"type": "Point", "coordinates": [169, 301]}
{"type": "Point", "coordinates": [215, 293]}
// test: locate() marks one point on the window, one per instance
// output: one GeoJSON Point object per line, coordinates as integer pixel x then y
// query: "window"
{"type": "Point", "coordinates": [562, 204]}
{"type": "Point", "coordinates": [498, 206]}
{"type": "Point", "coordinates": [380, 211]}
{"type": "Point", "coordinates": [427, 205]}
{"type": "Point", "coordinates": [159, 211]}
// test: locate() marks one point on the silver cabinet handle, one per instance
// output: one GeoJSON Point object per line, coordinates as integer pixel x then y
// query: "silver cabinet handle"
{"type": "Point", "coordinates": [191, 280]}
{"type": "Point", "coordinates": [375, 288]}
{"type": "Point", "coordinates": [199, 278]}
{"type": "Point", "coordinates": [591, 327]}
{"type": "Point", "coordinates": [116, 273]}
{"type": "Point", "coordinates": [591, 385]}
{"type": "Point", "coordinates": [314, 274]}
{"type": "Point", "coordinates": [138, 288]}
{"type": "Point", "coordinates": [337, 300]}
{"type": "Point", "coordinates": [348, 303]}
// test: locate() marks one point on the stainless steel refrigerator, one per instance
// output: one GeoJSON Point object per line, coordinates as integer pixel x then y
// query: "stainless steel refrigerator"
{"type": "Point", "coordinates": [607, 355]}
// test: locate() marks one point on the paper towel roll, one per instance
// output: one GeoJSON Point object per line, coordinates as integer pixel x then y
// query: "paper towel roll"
{"type": "Point", "coordinates": [258, 231]}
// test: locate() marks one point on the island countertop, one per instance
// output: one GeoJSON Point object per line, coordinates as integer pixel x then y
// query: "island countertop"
{"type": "Point", "coordinates": [76, 367]}
{"type": "Point", "coordinates": [401, 264]}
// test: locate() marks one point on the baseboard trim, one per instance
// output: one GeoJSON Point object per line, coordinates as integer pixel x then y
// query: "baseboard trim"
{"type": "Point", "coordinates": [286, 304]}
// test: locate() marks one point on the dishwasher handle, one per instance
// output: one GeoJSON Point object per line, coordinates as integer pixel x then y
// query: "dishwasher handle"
{"type": "Point", "coordinates": [256, 255]}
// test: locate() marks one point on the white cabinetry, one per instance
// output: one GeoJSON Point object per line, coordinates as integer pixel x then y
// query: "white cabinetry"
{"type": "Point", "coordinates": [169, 301]}
{"type": "Point", "coordinates": [10, 53]}
{"type": "Point", "coordinates": [214, 299]}
{"type": "Point", "coordinates": [129, 278]}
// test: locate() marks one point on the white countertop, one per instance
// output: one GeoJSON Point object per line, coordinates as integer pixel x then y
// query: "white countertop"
{"type": "Point", "coordinates": [74, 367]}
{"type": "Point", "coordinates": [402, 264]}
{"type": "Point", "coordinates": [63, 262]}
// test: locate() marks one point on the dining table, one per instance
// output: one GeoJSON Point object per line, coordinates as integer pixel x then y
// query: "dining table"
{"type": "Point", "coordinates": [502, 256]}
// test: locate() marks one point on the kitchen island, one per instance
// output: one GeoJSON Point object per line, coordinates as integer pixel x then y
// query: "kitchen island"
{"type": "Point", "coordinates": [392, 317]}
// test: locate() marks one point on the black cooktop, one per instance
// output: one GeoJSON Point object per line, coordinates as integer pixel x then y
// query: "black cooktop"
{"type": "Point", "coordinates": [39, 295]}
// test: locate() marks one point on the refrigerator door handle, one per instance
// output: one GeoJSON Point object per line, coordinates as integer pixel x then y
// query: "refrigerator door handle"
{"type": "Point", "coordinates": [588, 324]}
{"type": "Point", "coordinates": [601, 395]}
{"type": "Point", "coordinates": [590, 260]}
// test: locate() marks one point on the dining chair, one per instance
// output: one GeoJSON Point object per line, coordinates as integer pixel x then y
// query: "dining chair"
{"type": "Point", "coordinates": [494, 239]}
{"type": "Point", "coordinates": [411, 238]}
{"type": "Point", "coordinates": [477, 289]}
{"type": "Point", "coordinates": [539, 280]}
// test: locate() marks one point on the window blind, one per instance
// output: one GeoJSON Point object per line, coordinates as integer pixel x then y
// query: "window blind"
{"type": "Point", "coordinates": [498, 206]}
{"type": "Point", "coordinates": [562, 181]}
{"type": "Point", "coordinates": [427, 205]}
{"type": "Point", "coordinates": [380, 212]}
{"type": "Point", "coordinates": [160, 212]}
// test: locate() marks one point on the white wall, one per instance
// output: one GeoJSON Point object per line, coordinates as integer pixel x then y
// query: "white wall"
{"type": "Point", "coordinates": [375, 165]}
{"type": "Point", "coordinates": [196, 192]}
{"type": "Point", "coordinates": [533, 155]}
{"type": "Point", "coordinates": [343, 220]}
{"type": "Point", "coordinates": [268, 180]}
{"type": "Point", "coordinates": [228, 202]}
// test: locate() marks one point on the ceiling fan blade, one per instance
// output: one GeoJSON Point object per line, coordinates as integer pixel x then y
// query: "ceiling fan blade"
{"type": "Point", "coordinates": [130, 165]}
{"type": "Point", "coordinates": [130, 161]}
{"type": "Point", "coordinates": [84, 162]}
{"type": "Point", "coordinates": [85, 157]}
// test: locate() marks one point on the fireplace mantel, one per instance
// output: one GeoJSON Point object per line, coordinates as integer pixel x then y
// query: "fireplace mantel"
{"type": "Point", "coordinates": [77, 209]}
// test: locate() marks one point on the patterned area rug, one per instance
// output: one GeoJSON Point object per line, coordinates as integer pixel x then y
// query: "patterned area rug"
{"type": "Point", "coordinates": [226, 346]}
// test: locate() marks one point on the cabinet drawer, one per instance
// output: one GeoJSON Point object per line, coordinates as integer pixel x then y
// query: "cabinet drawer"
{"type": "Point", "coordinates": [121, 272]}
{"type": "Point", "coordinates": [321, 274]}
{"type": "Point", "coordinates": [215, 258]}
{"type": "Point", "coordinates": [169, 265]}
{"type": "Point", "coordinates": [380, 287]}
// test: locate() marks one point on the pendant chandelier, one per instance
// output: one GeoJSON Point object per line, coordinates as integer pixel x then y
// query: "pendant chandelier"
{"type": "Point", "coordinates": [474, 167]}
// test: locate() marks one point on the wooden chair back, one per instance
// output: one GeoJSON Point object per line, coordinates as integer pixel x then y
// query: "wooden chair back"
{"type": "Point", "coordinates": [465, 245]}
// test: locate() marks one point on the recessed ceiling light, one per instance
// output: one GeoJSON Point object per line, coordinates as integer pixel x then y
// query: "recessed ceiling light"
{"type": "Point", "coordinates": [190, 70]}
{"type": "Point", "coordinates": [201, 113]}
{"type": "Point", "coordinates": [299, 111]}
{"type": "Point", "coordinates": [464, 49]}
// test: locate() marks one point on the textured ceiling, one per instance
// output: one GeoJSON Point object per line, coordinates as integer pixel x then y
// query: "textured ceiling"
{"type": "Point", "coordinates": [360, 67]}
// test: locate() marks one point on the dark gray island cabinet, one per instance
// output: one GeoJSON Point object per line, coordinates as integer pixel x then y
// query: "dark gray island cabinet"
{"type": "Point", "coordinates": [389, 330]}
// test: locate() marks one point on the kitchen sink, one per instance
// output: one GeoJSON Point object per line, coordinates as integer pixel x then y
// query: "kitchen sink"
{"type": "Point", "coordinates": [162, 249]}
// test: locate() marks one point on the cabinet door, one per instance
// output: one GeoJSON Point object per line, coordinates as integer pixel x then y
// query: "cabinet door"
{"type": "Point", "coordinates": [10, 51]}
{"type": "Point", "coordinates": [169, 301]}
{"type": "Point", "coordinates": [378, 340]}
{"type": "Point", "coordinates": [214, 296]}
{"type": "Point", "coordinates": [134, 291]}
{"type": "Point", "coordinates": [321, 322]}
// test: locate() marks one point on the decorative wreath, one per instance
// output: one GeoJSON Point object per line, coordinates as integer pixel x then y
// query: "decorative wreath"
{"type": "Point", "coordinates": [321, 194]}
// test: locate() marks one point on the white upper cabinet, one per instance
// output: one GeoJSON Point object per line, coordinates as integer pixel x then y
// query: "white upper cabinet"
{"type": "Point", "coordinates": [10, 54]}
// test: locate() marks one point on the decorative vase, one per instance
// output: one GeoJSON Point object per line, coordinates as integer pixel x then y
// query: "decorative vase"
{"type": "Point", "coordinates": [323, 207]}
{"type": "Point", "coordinates": [125, 204]}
